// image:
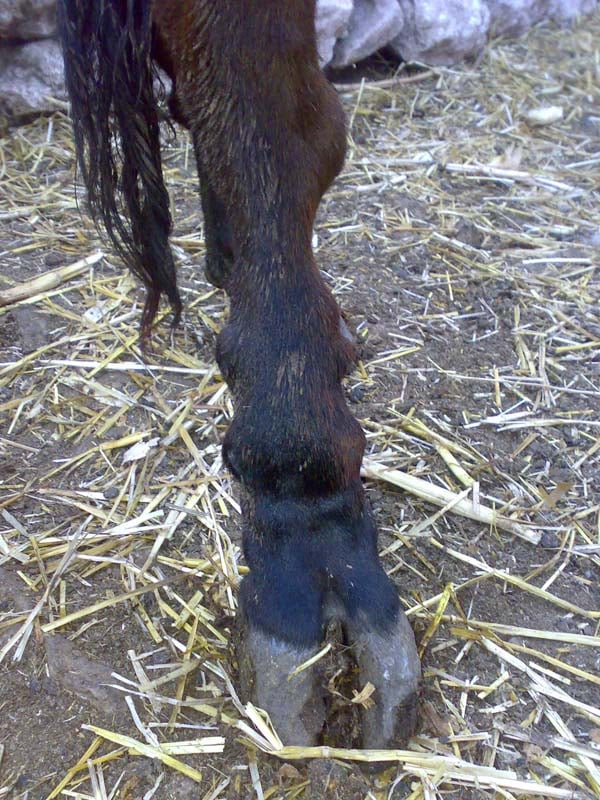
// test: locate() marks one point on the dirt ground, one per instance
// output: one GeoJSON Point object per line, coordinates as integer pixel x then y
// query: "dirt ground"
{"type": "Point", "coordinates": [463, 244]}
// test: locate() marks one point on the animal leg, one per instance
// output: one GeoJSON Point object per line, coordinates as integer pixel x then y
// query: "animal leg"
{"type": "Point", "coordinates": [217, 234]}
{"type": "Point", "coordinates": [268, 130]}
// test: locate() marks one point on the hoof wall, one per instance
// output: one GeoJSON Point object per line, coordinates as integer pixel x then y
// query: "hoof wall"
{"type": "Point", "coordinates": [295, 703]}
{"type": "Point", "coordinates": [390, 662]}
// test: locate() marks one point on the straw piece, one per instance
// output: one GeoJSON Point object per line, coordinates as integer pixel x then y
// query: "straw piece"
{"type": "Point", "coordinates": [48, 281]}
{"type": "Point", "coordinates": [443, 497]}
{"type": "Point", "coordinates": [139, 748]}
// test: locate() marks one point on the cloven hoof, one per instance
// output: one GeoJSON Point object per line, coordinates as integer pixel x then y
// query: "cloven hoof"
{"type": "Point", "coordinates": [296, 704]}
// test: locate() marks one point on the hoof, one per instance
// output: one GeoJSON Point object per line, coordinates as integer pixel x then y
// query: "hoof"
{"type": "Point", "coordinates": [390, 662]}
{"type": "Point", "coordinates": [295, 704]}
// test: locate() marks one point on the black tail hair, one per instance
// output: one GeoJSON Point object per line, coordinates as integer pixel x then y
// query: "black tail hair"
{"type": "Point", "coordinates": [110, 76]}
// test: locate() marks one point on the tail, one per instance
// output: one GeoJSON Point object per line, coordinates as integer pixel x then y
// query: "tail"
{"type": "Point", "coordinates": [109, 76]}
